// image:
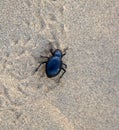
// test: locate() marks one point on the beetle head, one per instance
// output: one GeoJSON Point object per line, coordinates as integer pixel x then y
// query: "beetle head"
{"type": "Point", "coordinates": [58, 53]}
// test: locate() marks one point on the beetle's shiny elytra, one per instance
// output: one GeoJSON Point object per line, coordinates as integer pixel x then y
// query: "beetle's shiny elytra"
{"type": "Point", "coordinates": [54, 64]}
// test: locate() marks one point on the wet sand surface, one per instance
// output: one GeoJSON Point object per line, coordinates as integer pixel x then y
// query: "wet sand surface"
{"type": "Point", "coordinates": [87, 97]}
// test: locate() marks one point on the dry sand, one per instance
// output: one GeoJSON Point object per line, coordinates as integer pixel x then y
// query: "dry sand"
{"type": "Point", "coordinates": [87, 97]}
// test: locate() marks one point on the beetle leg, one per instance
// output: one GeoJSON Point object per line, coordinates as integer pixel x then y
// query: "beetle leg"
{"type": "Point", "coordinates": [64, 54]}
{"type": "Point", "coordinates": [51, 51]}
{"type": "Point", "coordinates": [64, 65]}
{"type": "Point", "coordinates": [44, 57]}
{"type": "Point", "coordinates": [39, 66]}
{"type": "Point", "coordinates": [62, 73]}
{"type": "Point", "coordinates": [65, 51]}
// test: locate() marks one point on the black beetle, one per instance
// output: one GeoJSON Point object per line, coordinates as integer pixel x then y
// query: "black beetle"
{"type": "Point", "coordinates": [54, 64]}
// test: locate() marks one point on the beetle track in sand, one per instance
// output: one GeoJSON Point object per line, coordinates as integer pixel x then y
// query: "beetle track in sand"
{"type": "Point", "coordinates": [46, 24]}
{"type": "Point", "coordinates": [54, 113]}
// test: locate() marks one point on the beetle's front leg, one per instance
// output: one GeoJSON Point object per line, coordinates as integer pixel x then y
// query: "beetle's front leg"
{"type": "Point", "coordinates": [44, 57]}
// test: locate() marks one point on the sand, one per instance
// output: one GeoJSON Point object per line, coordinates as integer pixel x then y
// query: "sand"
{"type": "Point", "coordinates": [87, 97]}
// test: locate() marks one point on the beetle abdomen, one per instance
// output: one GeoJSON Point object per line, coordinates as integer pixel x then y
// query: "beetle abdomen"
{"type": "Point", "coordinates": [53, 66]}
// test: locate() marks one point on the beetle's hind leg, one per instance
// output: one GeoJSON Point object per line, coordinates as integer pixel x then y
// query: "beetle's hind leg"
{"type": "Point", "coordinates": [64, 65]}
{"type": "Point", "coordinates": [39, 66]}
{"type": "Point", "coordinates": [62, 73]}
